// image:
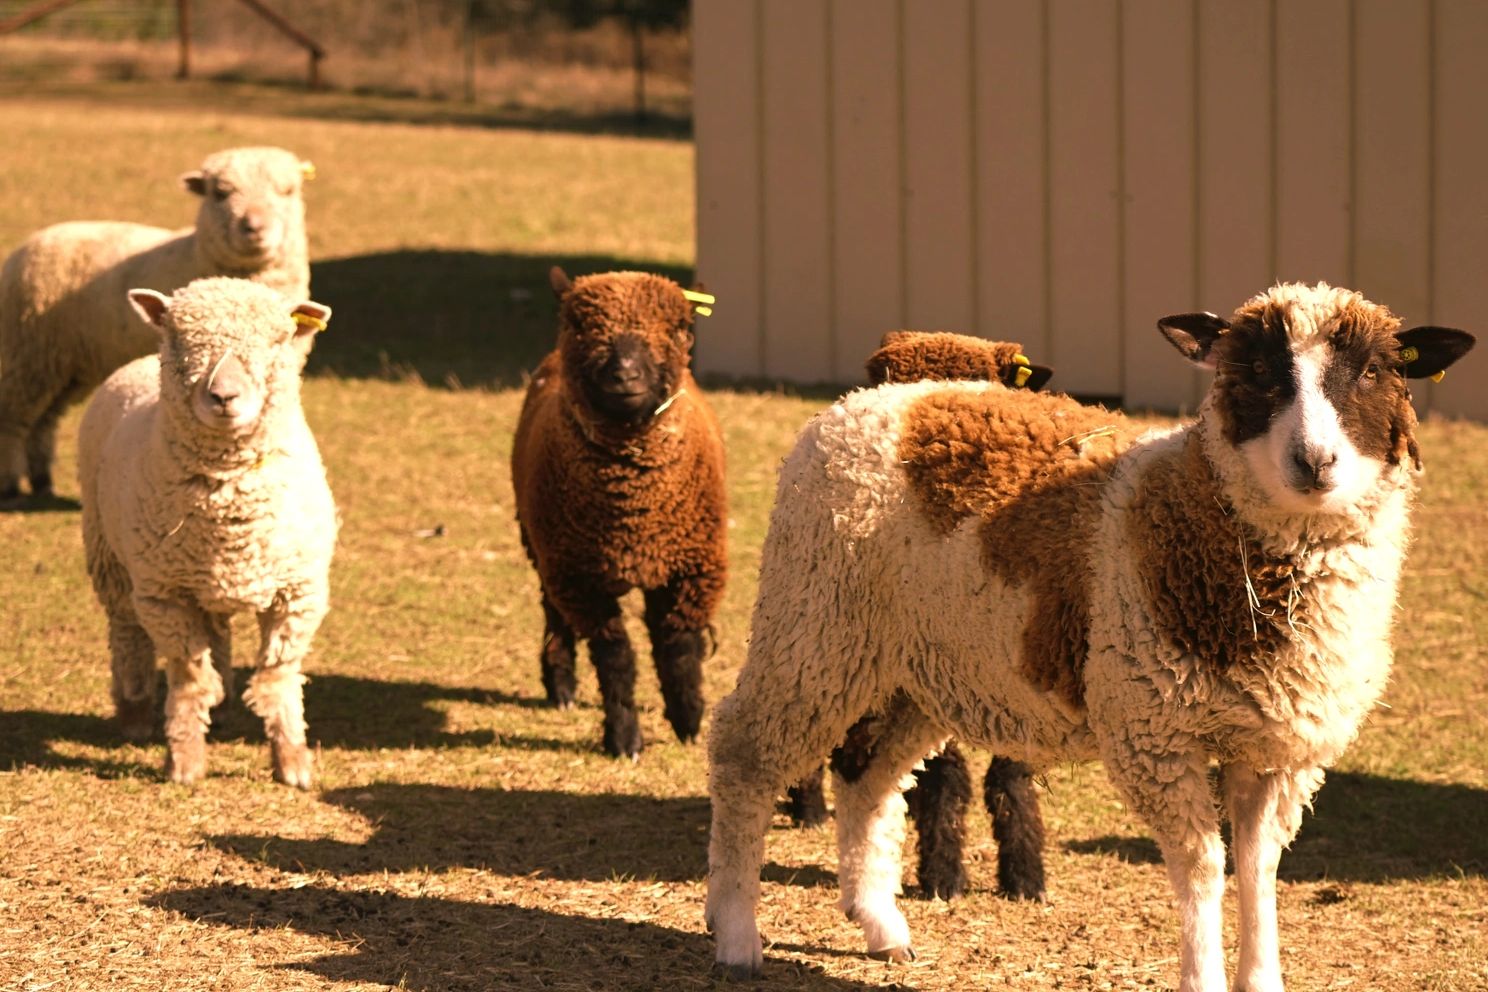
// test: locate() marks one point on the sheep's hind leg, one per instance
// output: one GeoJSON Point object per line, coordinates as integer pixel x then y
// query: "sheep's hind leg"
{"type": "Point", "coordinates": [1017, 827]}
{"type": "Point", "coordinates": [41, 446]}
{"type": "Point", "coordinates": [870, 826]}
{"type": "Point", "coordinates": [677, 647]}
{"type": "Point", "coordinates": [219, 640]}
{"type": "Point", "coordinates": [557, 658]}
{"type": "Point", "coordinates": [806, 802]}
{"type": "Point", "coordinates": [762, 738]}
{"type": "Point", "coordinates": [1265, 811]}
{"type": "Point", "coordinates": [132, 662]}
{"type": "Point", "coordinates": [276, 690]}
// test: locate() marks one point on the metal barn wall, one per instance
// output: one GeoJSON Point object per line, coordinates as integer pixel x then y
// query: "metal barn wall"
{"type": "Point", "coordinates": [1064, 172]}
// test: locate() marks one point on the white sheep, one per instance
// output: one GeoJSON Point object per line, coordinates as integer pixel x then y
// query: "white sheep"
{"type": "Point", "coordinates": [1028, 574]}
{"type": "Point", "coordinates": [204, 495]}
{"type": "Point", "coordinates": [65, 323]}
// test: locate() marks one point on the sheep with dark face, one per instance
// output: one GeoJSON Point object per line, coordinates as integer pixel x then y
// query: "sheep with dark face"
{"type": "Point", "coordinates": [618, 472]}
{"type": "Point", "coordinates": [64, 320]}
{"type": "Point", "coordinates": [1040, 577]}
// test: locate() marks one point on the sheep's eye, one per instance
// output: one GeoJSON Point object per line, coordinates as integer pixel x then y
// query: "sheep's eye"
{"type": "Point", "coordinates": [286, 189]}
{"type": "Point", "coordinates": [1259, 367]}
{"type": "Point", "coordinates": [1369, 375]}
{"type": "Point", "coordinates": [220, 192]}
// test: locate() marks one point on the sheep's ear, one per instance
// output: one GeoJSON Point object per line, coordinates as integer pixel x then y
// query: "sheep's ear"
{"type": "Point", "coordinates": [1039, 376]}
{"type": "Point", "coordinates": [310, 319]}
{"type": "Point", "coordinates": [1194, 334]}
{"type": "Point", "coordinates": [893, 337]}
{"type": "Point", "coordinates": [559, 280]}
{"type": "Point", "coordinates": [1428, 351]}
{"type": "Point", "coordinates": [150, 305]}
{"type": "Point", "coordinates": [194, 182]}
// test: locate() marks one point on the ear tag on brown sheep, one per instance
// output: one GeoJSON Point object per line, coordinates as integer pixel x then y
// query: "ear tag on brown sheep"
{"type": "Point", "coordinates": [704, 301]}
{"type": "Point", "coordinates": [1410, 353]}
{"type": "Point", "coordinates": [1020, 377]}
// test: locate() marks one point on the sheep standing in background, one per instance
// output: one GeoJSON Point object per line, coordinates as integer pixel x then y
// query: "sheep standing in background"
{"type": "Point", "coordinates": [204, 495]}
{"type": "Point", "coordinates": [942, 787]}
{"type": "Point", "coordinates": [618, 472]}
{"type": "Point", "coordinates": [65, 322]}
{"type": "Point", "coordinates": [1029, 574]}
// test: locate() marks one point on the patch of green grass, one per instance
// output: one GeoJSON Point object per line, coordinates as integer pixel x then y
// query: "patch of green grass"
{"type": "Point", "coordinates": [467, 837]}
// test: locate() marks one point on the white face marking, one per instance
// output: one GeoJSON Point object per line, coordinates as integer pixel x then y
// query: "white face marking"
{"type": "Point", "coordinates": [1305, 461]}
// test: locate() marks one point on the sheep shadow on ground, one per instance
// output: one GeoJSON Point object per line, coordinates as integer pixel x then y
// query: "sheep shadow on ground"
{"type": "Point", "coordinates": [446, 945]}
{"type": "Point", "coordinates": [449, 318]}
{"type": "Point", "coordinates": [40, 504]}
{"type": "Point", "coordinates": [515, 832]}
{"type": "Point", "coordinates": [1365, 828]}
{"type": "Point", "coordinates": [26, 738]}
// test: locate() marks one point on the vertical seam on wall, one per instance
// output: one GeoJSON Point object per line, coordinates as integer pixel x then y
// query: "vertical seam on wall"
{"type": "Point", "coordinates": [1433, 138]}
{"type": "Point", "coordinates": [830, 134]}
{"type": "Point", "coordinates": [762, 352]}
{"type": "Point", "coordinates": [1046, 97]}
{"type": "Point", "coordinates": [976, 186]}
{"type": "Point", "coordinates": [1351, 257]}
{"type": "Point", "coordinates": [1273, 111]}
{"type": "Point", "coordinates": [1122, 193]}
{"type": "Point", "coordinates": [1196, 157]}
{"type": "Point", "coordinates": [902, 149]}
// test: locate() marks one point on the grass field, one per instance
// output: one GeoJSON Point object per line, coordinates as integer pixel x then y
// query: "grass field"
{"type": "Point", "coordinates": [464, 836]}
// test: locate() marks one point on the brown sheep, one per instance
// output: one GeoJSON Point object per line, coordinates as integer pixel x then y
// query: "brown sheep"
{"type": "Point", "coordinates": [618, 472]}
{"type": "Point", "coordinates": [909, 356]}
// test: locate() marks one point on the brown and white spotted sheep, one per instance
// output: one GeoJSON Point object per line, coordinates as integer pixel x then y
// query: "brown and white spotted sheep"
{"type": "Point", "coordinates": [942, 787]}
{"type": "Point", "coordinates": [618, 472]}
{"type": "Point", "coordinates": [1033, 575]}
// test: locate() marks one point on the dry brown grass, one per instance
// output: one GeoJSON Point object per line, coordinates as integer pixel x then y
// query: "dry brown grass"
{"type": "Point", "coordinates": [466, 837]}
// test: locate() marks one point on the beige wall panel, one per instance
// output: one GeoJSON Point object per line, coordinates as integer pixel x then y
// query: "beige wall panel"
{"type": "Point", "coordinates": [1313, 123]}
{"type": "Point", "coordinates": [1392, 164]}
{"type": "Point", "coordinates": [939, 183]}
{"type": "Point", "coordinates": [1159, 151]}
{"type": "Point", "coordinates": [1462, 199]}
{"type": "Point", "coordinates": [867, 287]}
{"type": "Point", "coordinates": [726, 126]}
{"type": "Point", "coordinates": [1235, 258]}
{"type": "Point", "coordinates": [798, 194]}
{"type": "Point", "coordinates": [1085, 311]}
{"type": "Point", "coordinates": [1011, 246]}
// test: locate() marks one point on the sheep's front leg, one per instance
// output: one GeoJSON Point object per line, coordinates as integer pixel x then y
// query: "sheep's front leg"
{"type": "Point", "coordinates": [276, 691]}
{"type": "Point", "coordinates": [179, 632]}
{"type": "Point", "coordinates": [614, 662]}
{"type": "Point", "coordinates": [1265, 811]}
{"type": "Point", "coordinates": [557, 657]}
{"type": "Point", "coordinates": [677, 646]}
{"type": "Point", "coordinates": [1171, 792]}
{"type": "Point", "coordinates": [1018, 828]}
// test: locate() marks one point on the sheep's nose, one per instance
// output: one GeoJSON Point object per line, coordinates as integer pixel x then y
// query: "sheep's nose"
{"type": "Point", "coordinates": [1312, 465]}
{"type": "Point", "coordinates": [624, 369]}
{"type": "Point", "coordinates": [251, 223]}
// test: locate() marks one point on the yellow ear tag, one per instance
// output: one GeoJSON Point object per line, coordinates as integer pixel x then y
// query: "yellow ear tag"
{"type": "Point", "coordinates": [305, 320]}
{"type": "Point", "coordinates": [1021, 376]}
{"type": "Point", "coordinates": [1020, 359]}
{"type": "Point", "coordinates": [1409, 354]}
{"type": "Point", "coordinates": [702, 300]}
{"type": "Point", "coordinates": [1439, 376]}
{"type": "Point", "coordinates": [307, 169]}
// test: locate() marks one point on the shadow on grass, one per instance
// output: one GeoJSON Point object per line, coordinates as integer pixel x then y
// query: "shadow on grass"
{"type": "Point", "coordinates": [1366, 828]}
{"type": "Point", "coordinates": [515, 832]}
{"type": "Point", "coordinates": [40, 504]}
{"type": "Point", "coordinates": [26, 738]}
{"type": "Point", "coordinates": [444, 945]}
{"type": "Point", "coordinates": [449, 318]}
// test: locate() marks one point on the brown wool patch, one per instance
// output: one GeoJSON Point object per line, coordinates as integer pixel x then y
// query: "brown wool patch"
{"type": "Point", "coordinates": [1031, 467]}
{"type": "Point", "coordinates": [1374, 410]}
{"type": "Point", "coordinates": [909, 356]}
{"type": "Point", "coordinates": [1254, 373]}
{"type": "Point", "coordinates": [1196, 559]}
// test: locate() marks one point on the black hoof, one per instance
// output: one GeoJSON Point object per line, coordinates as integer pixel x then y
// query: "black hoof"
{"type": "Point", "coordinates": [944, 882]}
{"type": "Point", "coordinates": [623, 740]}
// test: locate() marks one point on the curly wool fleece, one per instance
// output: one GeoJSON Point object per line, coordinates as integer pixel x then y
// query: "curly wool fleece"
{"type": "Point", "coordinates": [185, 523]}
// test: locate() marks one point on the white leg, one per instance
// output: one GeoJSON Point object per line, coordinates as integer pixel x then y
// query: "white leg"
{"type": "Point", "coordinates": [1265, 811]}
{"type": "Point", "coordinates": [1171, 792]}
{"type": "Point", "coordinates": [870, 828]}
{"type": "Point", "coordinates": [179, 632]}
{"type": "Point", "coordinates": [276, 690]}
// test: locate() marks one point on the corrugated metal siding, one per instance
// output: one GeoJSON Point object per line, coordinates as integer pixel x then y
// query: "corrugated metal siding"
{"type": "Point", "coordinates": [1064, 172]}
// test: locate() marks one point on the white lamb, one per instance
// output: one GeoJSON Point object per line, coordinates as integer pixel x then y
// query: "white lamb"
{"type": "Point", "coordinates": [65, 323]}
{"type": "Point", "coordinates": [1028, 574]}
{"type": "Point", "coordinates": [204, 495]}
